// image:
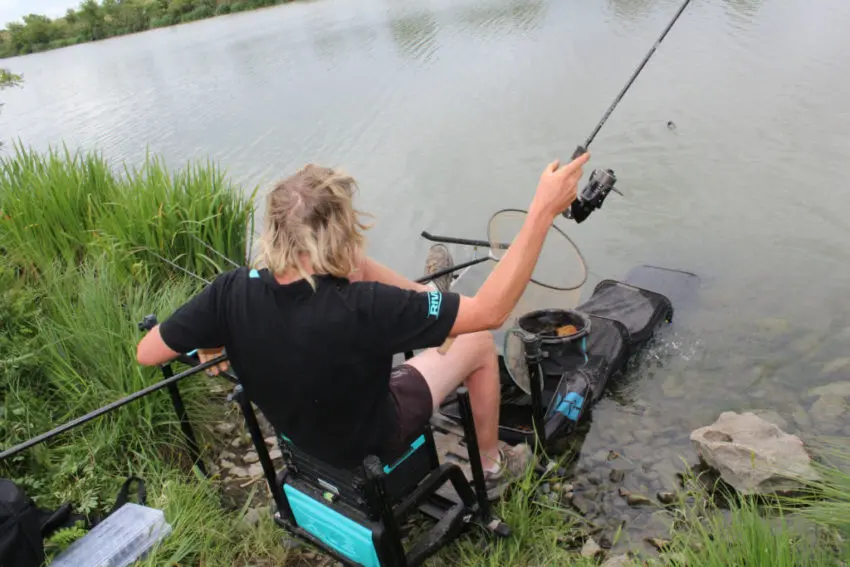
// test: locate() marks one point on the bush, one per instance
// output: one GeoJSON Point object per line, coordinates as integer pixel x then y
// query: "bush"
{"type": "Point", "coordinates": [222, 10]}
{"type": "Point", "coordinates": [199, 13]}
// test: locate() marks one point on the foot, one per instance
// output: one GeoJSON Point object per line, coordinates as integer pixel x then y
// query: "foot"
{"type": "Point", "coordinates": [512, 465]}
{"type": "Point", "coordinates": [438, 259]}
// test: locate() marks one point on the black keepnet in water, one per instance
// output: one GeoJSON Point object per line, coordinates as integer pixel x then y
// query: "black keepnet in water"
{"type": "Point", "coordinates": [622, 318]}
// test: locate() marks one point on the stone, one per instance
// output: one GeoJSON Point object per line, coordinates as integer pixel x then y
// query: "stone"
{"type": "Point", "coordinates": [637, 500]}
{"type": "Point", "coordinates": [801, 418]}
{"type": "Point", "coordinates": [275, 454]}
{"type": "Point", "coordinates": [227, 455]}
{"type": "Point", "coordinates": [590, 548]}
{"type": "Point", "coordinates": [622, 560]}
{"type": "Point", "coordinates": [239, 472]}
{"type": "Point", "coordinates": [252, 518]}
{"type": "Point", "coordinates": [833, 401]}
{"type": "Point", "coordinates": [255, 470]}
{"type": "Point", "coordinates": [658, 543]}
{"type": "Point", "coordinates": [753, 455]}
{"type": "Point", "coordinates": [250, 457]}
{"type": "Point", "coordinates": [270, 440]}
{"type": "Point", "coordinates": [673, 387]}
{"type": "Point", "coordinates": [617, 475]}
{"type": "Point", "coordinates": [236, 443]}
{"type": "Point", "coordinates": [666, 498]}
{"type": "Point", "coordinates": [226, 465]}
{"type": "Point", "coordinates": [772, 417]}
{"type": "Point", "coordinates": [643, 435]}
{"type": "Point", "coordinates": [836, 365]}
{"type": "Point", "coordinates": [225, 428]}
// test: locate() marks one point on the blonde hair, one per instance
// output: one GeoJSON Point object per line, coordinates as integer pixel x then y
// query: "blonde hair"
{"type": "Point", "coordinates": [311, 212]}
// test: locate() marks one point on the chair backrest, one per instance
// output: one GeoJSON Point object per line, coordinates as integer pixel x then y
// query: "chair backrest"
{"type": "Point", "coordinates": [348, 485]}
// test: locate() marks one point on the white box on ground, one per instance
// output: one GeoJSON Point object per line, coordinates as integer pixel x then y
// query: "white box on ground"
{"type": "Point", "coordinates": [117, 541]}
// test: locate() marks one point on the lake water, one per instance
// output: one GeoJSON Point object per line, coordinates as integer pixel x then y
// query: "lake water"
{"type": "Point", "coordinates": [446, 111]}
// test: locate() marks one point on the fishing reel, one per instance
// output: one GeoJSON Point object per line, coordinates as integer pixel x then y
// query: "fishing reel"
{"type": "Point", "coordinates": [600, 184]}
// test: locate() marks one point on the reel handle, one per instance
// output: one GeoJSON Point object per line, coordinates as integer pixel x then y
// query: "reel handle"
{"type": "Point", "coordinates": [579, 151]}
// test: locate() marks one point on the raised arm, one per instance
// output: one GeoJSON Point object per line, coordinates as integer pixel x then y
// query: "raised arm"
{"type": "Point", "coordinates": [497, 297]}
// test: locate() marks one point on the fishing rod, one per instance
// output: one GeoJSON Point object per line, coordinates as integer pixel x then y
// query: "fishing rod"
{"type": "Point", "coordinates": [601, 182]}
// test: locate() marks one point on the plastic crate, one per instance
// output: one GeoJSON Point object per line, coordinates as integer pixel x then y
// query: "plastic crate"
{"type": "Point", "coordinates": [121, 539]}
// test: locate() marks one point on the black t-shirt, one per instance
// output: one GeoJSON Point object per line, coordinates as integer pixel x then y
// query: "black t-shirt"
{"type": "Point", "coordinates": [317, 363]}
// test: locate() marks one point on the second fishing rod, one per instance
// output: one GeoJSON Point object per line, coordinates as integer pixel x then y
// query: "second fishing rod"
{"type": "Point", "coordinates": [602, 181]}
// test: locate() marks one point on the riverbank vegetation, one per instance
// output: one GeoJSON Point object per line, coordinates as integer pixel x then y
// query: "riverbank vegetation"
{"type": "Point", "coordinates": [94, 20]}
{"type": "Point", "coordinates": [82, 249]}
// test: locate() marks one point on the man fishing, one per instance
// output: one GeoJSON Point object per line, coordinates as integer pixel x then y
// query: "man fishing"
{"type": "Point", "coordinates": [312, 334]}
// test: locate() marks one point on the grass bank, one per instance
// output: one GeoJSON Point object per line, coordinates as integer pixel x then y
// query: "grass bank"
{"type": "Point", "coordinates": [81, 249]}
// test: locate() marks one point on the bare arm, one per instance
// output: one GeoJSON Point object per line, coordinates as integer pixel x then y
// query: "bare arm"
{"type": "Point", "coordinates": [499, 294]}
{"type": "Point", "coordinates": [152, 350]}
{"type": "Point", "coordinates": [373, 271]}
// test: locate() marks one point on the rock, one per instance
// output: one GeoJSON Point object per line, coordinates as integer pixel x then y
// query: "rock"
{"type": "Point", "coordinates": [832, 403]}
{"type": "Point", "coordinates": [226, 465]}
{"type": "Point", "coordinates": [590, 548]}
{"type": "Point", "coordinates": [673, 387]}
{"type": "Point", "coordinates": [617, 475]}
{"type": "Point", "coordinates": [249, 520]}
{"type": "Point", "coordinates": [239, 472]}
{"type": "Point", "coordinates": [658, 543]}
{"type": "Point", "coordinates": [836, 365]}
{"type": "Point", "coordinates": [637, 500]}
{"type": "Point", "coordinates": [772, 417]}
{"type": "Point", "coordinates": [250, 457]}
{"type": "Point", "coordinates": [255, 470]}
{"type": "Point", "coordinates": [225, 428]}
{"type": "Point", "coordinates": [618, 561]}
{"type": "Point", "coordinates": [666, 498]}
{"type": "Point", "coordinates": [270, 440]}
{"type": "Point", "coordinates": [546, 488]}
{"type": "Point", "coordinates": [801, 418]}
{"type": "Point", "coordinates": [236, 443]}
{"type": "Point", "coordinates": [275, 454]}
{"type": "Point", "coordinates": [774, 326]}
{"type": "Point", "coordinates": [643, 435]}
{"type": "Point", "coordinates": [753, 455]}
{"type": "Point", "coordinates": [227, 455]}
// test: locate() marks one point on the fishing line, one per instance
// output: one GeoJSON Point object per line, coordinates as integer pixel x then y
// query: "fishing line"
{"type": "Point", "coordinates": [583, 148]}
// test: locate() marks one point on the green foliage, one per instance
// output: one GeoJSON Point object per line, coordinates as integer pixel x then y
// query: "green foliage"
{"type": "Point", "coordinates": [59, 206]}
{"type": "Point", "coordinates": [95, 20]}
{"type": "Point", "coordinates": [75, 279]}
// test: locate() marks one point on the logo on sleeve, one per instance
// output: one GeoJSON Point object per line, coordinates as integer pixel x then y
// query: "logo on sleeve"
{"type": "Point", "coordinates": [435, 300]}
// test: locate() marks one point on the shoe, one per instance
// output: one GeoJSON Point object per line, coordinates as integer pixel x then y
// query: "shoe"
{"type": "Point", "coordinates": [439, 258]}
{"type": "Point", "coordinates": [513, 465]}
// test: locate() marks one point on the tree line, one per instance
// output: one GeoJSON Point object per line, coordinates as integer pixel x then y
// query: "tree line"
{"type": "Point", "coordinates": [95, 20]}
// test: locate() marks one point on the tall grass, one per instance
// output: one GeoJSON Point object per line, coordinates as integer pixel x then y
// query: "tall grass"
{"type": "Point", "coordinates": [62, 206]}
{"type": "Point", "coordinates": [77, 275]}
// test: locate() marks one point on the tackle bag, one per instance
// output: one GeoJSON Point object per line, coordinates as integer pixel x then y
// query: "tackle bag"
{"type": "Point", "coordinates": [24, 526]}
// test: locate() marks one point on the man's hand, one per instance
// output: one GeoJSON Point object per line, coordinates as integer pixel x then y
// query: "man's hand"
{"type": "Point", "coordinates": [208, 354]}
{"type": "Point", "coordinates": [557, 188]}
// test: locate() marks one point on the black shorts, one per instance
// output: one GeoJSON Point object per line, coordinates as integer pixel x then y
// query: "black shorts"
{"type": "Point", "coordinates": [411, 397]}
